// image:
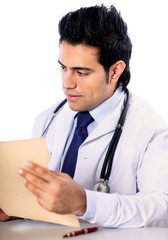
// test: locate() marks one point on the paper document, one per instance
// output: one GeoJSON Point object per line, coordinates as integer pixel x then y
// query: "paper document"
{"type": "Point", "coordinates": [15, 198]}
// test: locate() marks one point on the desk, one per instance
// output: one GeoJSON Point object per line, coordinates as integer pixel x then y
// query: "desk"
{"type": "Point", "coordinates": [35, 230]}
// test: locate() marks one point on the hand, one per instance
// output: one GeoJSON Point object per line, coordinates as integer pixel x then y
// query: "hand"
{"type": "Point", "coordinates": [5, 217]}
{"type": "Point", "coordinates": [55, 191]}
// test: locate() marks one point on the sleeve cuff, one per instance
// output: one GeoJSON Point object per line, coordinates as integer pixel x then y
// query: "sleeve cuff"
{"type": "Point", "coordinates": [91, 200]}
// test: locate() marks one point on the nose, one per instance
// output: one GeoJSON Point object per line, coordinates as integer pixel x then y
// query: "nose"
{"type": "Point", "coordinates": [68, 81]}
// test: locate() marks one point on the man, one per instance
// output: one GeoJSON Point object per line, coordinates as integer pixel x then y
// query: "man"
{"type": "Point", "coordinates": [95, 50]}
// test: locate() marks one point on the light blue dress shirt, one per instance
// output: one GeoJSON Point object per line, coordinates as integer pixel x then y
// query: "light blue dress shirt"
{"type": "Point", "coordinates": [99, 114]}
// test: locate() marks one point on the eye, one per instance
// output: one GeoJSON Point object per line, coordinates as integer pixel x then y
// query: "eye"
{"type": "Point", "coordinates": [82, 73]}
{"type": "Point", "coordinates": [63, 68]}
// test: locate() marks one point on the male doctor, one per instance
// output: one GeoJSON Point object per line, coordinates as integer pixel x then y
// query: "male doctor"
{"type": "Point", "coordinates": [95, 50]}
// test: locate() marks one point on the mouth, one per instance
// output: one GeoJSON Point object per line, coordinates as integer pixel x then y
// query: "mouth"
{"type": "Point", "coordinates": [72, 97]}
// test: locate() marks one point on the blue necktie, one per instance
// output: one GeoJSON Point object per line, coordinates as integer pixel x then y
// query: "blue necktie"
{"type": "Point", "coordinates": [80, 134]}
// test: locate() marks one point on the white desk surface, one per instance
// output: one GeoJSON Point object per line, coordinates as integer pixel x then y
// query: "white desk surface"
{"type": "Point", "coordinates": [35, 230]}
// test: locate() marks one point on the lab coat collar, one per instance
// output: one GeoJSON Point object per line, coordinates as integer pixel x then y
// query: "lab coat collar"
{"type": "Point", "coordinates": [102, 111]}
{"type": "Point", "coordinates": [109, 123]}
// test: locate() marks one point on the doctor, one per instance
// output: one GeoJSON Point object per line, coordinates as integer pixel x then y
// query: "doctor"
{"type": "Point", "coordinates": [94, 58]}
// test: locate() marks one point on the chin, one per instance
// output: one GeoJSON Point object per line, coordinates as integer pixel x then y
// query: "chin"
{"type": "Point", "coordinates": [76, 108]}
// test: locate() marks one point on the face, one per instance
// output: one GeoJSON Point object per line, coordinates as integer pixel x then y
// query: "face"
{"type": "Point", "coordinates": [83, 78]}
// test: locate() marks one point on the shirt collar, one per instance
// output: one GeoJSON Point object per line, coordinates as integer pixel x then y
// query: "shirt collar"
{"type": "Point", "coordinates": [101, 111]}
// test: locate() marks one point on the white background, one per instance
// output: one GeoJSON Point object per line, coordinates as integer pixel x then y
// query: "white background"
{"type": "Point", "coordinates": [29, 74]}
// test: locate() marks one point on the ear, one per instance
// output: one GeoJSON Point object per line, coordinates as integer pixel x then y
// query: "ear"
{"type": "Point", "coordinates": [116, 70]}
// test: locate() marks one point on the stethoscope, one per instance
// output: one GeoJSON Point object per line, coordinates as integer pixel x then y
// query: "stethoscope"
{"type": "Point", "coordinates": [102, 184]}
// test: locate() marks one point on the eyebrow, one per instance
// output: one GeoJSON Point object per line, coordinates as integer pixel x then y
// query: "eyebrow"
{"type": "Point", "coordinates": [77, 68]}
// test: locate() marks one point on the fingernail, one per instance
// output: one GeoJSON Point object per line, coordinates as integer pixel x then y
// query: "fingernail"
{"type": "Point", "coordinates": [29, 164]}
{"type": "Point", "coordinates": [20, 171]}
{"type": "Point", "coordinates": [25, 181]}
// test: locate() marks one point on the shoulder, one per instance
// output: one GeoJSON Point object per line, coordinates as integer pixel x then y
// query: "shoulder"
{"type": "Point", "coordinates": [48, 112]}
{"type": "Point", "coordinates": [143, 110]}
{"type": "Point", "coordinates": [44, 117]}
{"type": "Point", "coordinates": [142, 119]}
{"type": "Point", "coordinates": [142, 123]}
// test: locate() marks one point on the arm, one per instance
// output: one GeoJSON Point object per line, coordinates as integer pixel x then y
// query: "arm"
{"type": "Point", "coordinates": [149, 207]}
{"type": "Point", "coordinates": [58, 193]}
{"type": "Point", "coordinates": [127, 211]}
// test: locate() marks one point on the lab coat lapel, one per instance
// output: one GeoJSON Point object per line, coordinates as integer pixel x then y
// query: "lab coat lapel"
{"type": "Point", "coordinates": [90, 160]}
{"type": "Point", "coordinates": [62, 135]}
{"type": "Point", "coordinates": [107, 125]}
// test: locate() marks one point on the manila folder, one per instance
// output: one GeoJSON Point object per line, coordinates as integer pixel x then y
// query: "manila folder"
{"type": "Point", "coordinates": [15, 198]}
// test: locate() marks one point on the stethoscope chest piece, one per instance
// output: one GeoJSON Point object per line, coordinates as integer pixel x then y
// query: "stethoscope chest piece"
{"type": "Point", "coordinates": [101, 186]}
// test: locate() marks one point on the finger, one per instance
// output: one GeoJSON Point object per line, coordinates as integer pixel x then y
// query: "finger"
{"type": "Point", "coordinates": [57, 206]}
{"type": "Point", "coordinates": [43, 203]}
{"type": "Point", "coordinates": [32, 188]}
{"type": "Point", "coordinates": [35, 180]}
{"type": "Point", "coordinates": [39, 170]}
{"type": "Point", "coordinates": [5, 217]}
{"type": "Point", "coordinates": [60, 174]}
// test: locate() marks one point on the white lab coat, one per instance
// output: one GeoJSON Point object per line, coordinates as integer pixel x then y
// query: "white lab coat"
{"type": "Point", "coordinates": [139, 178]}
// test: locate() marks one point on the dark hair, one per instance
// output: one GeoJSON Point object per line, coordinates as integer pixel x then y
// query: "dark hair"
{"type": "Point", "coordinates": [100, 27]}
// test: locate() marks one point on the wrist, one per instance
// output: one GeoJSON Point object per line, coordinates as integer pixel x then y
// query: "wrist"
{"type": "Point", "coordinates": [82, 203]}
